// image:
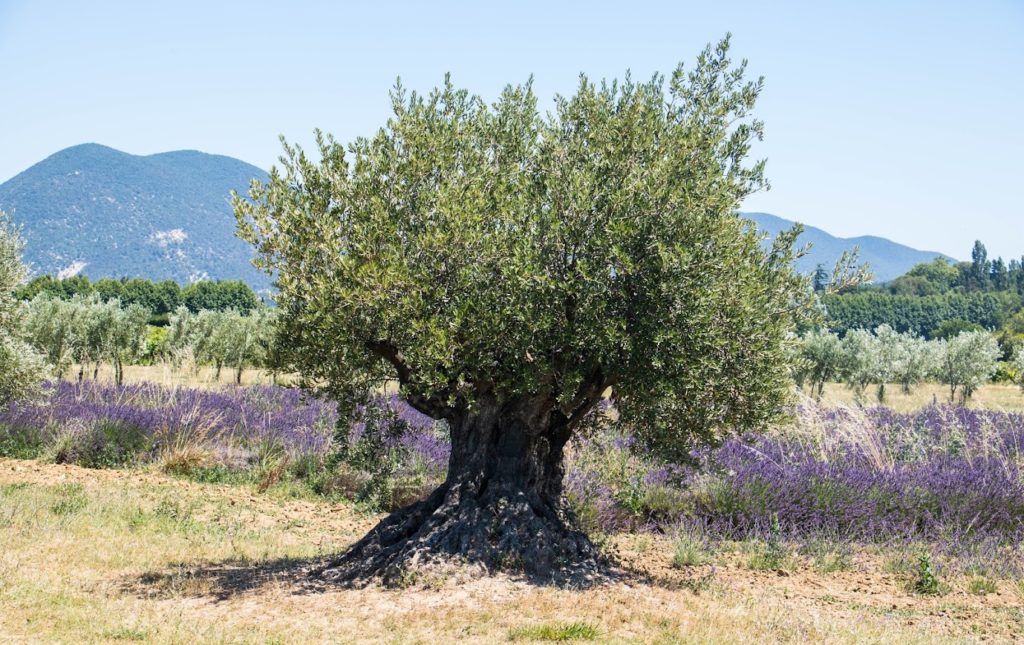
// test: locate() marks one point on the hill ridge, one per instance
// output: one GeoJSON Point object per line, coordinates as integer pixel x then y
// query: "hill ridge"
{"type": "Point", "coordinates": [104, 212]}
{"type": "Point", "coordinates": [886, 258]}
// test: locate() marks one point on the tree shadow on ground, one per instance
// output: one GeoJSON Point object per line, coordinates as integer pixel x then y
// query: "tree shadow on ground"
{"type": "Point", "coordinates": [223, 580]}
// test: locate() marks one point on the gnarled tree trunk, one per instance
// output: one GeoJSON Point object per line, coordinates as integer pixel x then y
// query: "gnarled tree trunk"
{"type": "Point", "coordinates": [500, 507]}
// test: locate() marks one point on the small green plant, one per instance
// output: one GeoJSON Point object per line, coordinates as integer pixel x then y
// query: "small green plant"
{"type": "Point", "coordinates": [554, 633]}
{"type": "Point", "coordinates": [126, 634]}
{"type": "Point", "coordinates": [70, 500]}
{"type": "Point", "coordinates": [774, 556]}
{"type": "Point", "coordinates": [980, 586]}
{"type": "Point", "coordinates": [833, 562]}
{"type": "Point", "coordinates": [688, 551]}
{"type": "Point", "coordinates": [926, 582]}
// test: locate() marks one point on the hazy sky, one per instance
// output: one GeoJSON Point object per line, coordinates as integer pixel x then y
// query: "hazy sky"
{"type": "Point", "coordinates": [899, 119]}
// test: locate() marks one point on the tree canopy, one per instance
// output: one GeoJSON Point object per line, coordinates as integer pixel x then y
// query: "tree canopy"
{"type": "Point", "coordinates": [469, 248]}
{"type": "Point", "coordinates": [21, 369]}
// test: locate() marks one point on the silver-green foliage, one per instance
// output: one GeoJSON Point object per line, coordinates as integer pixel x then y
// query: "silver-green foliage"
{"type": "Point", "coordinates": [819, 359]}
{"type": "Point", "coordinates": [86, 331]}
{"type": "Point", "coordinates": [864, 358]}
{"type": "Point", "coordinates": [1018, 365]}
{"type": "Point", "coordinates": [489, 252]}
{"type": "Point", "coordinates": [859, 360]}
{"type": "Point", "coordinates": [223, 338]}
{"type": "Point", "coordinates": [22, 369]}
{"type": "Point", "coordinates": [966, 362]}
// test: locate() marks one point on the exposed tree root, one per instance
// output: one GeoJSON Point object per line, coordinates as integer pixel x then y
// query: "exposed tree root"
{"type": "Point", "coordinates": [497, 529]}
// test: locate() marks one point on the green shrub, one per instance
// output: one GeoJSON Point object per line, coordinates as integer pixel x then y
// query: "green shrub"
{"type": "Point", "coordinates": [925, 581]}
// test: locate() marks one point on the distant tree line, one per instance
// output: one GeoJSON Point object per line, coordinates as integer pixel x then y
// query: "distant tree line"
{"type": "Point", "coordinates": [886, 357]}
{"type": "Point", "coordinates": [88, 332]}
{"type": "Point", "coordinates": [938, 300]}
{"type": "Point", "coordinates": [159, 299]}
{"type": "Point", "coordinates": [934, 316]}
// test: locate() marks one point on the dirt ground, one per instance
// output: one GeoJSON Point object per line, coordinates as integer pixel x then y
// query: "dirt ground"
{"type": "Point", "coordinates": [105, 556]}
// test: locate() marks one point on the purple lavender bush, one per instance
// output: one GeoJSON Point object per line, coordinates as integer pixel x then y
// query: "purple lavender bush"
{"type": "Point", "coordinates": [82, 414]}
{"type": "Point", "coordinates": [253, 430]}
{"type": "Point", "coordinates": [944, 475]}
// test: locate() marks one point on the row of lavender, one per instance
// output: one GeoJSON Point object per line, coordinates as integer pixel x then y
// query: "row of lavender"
{"type": "Point", "coordinates": [944, 474]}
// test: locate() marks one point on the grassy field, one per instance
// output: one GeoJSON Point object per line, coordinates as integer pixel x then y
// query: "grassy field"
{"type": "Point", "coordinates": [116, 555]}
{"type": "Point", "coordinates": [992, 397]}
{"type": "Point", "coordinates": [168, 375]}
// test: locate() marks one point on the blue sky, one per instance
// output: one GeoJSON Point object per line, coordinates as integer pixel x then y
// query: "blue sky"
{"type": "Point", "coordinates": [899, 119]}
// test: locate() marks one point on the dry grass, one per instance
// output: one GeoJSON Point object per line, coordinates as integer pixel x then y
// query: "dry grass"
{"type": "Point", "coordinates": [104, 556]}
{"type": "Point", "coordinates": [169, 375]}
{"type": "Point", "coordinates": [992, 397]}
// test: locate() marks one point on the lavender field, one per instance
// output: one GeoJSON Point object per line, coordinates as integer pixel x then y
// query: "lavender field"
{"type": "Point", "coordinates": [947, 477]}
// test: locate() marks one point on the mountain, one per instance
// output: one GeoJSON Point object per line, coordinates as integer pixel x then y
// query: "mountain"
{"type": "Point", "coordinates": [101, 212]}
{"type": "Point", "coordinates": [885, 258]}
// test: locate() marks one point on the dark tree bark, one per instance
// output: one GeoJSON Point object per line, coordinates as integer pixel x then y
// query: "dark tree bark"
{"type": "Point", "coordinates": [500, 507]}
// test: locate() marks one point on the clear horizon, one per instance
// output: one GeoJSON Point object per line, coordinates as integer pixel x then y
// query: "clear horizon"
{"type": "Point", "coordinates": [893, 121]}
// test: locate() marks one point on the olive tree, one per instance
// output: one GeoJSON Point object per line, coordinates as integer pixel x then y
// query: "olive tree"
{"type": "Point", "coordinates": [819, 360]}
{"type": "Point", "coordinates": [508, 269]}
{"type": "Point", "coordinates": [127, 336]}
{"type": "Point", "coordinates": [967, 361]}
{"type": "Point", "coordinates": [1018, 364]}
{"type": "Point", "coordinates": [915, 360]}
{"type": "Point", "coordinates": [222, 338]}
{"type": "Point", "coordinates": [859, 360]}
{"type": "Point", "coordinates": [52, 327]}
{"type": "Point", "coordinates": [248, 339]}
{"type": "Point", "coordinates": [22, 369]}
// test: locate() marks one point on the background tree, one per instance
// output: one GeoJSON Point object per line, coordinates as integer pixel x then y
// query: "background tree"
{"type": "Point", "coordinates": [859, 360]}
{"type": "Point", "coordinates": [127, 337]}
{"type": "Point", "coordinates": [219, 296]}
{"type": "Point", "coordinates": [1018, 365]}
{"type": "Point", "coordinates": [821, 360]}
{"type": "Point", "coordinates": [22, 369]}
{"type": "Point", "coordinates": [821, 278]}
{"type": "Point", "coordinates": [888, 349]}
{"type": "Point", "coordinates": [915, 360]}
{"type": "Point", "coordinates": [53, 327]}
{"type": "Point", "coordinates": [507, 269]}
{"type": "Point", "coordinates": [966, 362]}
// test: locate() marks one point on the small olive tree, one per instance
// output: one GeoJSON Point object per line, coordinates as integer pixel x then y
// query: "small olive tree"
{"type": "Point", "coordinates": [915, 360]}
{"type": "Point", "coordinates": [859, 360]}
{"type": "Point", "coordinates": [508, 269]}
{"type": "Point", "coordinates": [1018, 364]}
{"type": "Point", "coordinates": [966, 362]}
{"type": "Point", "coordinates": [53, 327]}
{"type": "Point", "coordinates": [818, 361]}
{"type": "Point", "coordinates": [22, 369]}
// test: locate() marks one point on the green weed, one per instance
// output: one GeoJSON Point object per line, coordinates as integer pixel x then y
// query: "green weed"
{"type": "Point", "coordinates": [554, 632]}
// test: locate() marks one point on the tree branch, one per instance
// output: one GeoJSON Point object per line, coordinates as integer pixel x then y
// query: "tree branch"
{"type": "Point", "coordinates": [433, 406]}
